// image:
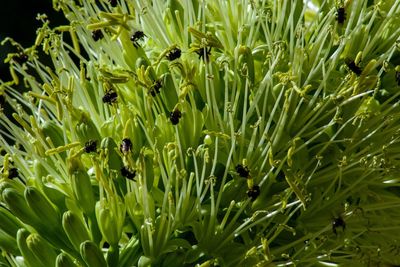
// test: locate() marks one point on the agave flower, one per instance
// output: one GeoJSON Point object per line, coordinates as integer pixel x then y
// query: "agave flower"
{"type": "Point", "coordinates": [204, 133]}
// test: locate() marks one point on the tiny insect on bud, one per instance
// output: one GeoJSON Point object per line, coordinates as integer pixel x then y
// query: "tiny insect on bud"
{"type": "Point", "coordinates": [110, 97]}
{"type": "Point", "coordinates": [353, 67]}
{"type": "Point", "coordinates": [253, 192]}
{"type": "Point", "coordinates": [128, 173]}
{"type": "Point", "coordinates": [340, 15]}
{"type": "Point", "coordinates": [243, 171]}
{"type": "Point", "coordinates": [173, 54]}
{"type": "Point", "coordinates": [126, 145]}
{"type": "Point", "coordinates": [97, 35]}
{"type": "Point", "coordinates": [137, 36]}
{"type": "Point", "coordinates": [204, 53]}
{"type": "Point", "coordinates": [90, 146]}
{"type": "Point", "coordinates": [155, 88]}
{"type": "Point", "coordinates": [338, 222]}
{"type": "Point", "coordinates": [174, 116]}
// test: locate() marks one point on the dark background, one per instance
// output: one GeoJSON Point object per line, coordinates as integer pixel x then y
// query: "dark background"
{"type": "Point", "coordinates": [18, 20]}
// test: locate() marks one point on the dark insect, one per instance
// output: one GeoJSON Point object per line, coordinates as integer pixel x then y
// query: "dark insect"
{"type": "Point", "coordinates": [243, 171]}
{"type": "Point", "coordinates": [353, 67]}
{"type": "Point", "coordinates": [90, 146]}
{"type": "Point", "coordinates": [20, 58]}
{"type": "Point", "coordinates": [253, 192]}
{"type": "Point", "coordinates": [97, 35]}
{"type": "Point", "coordinates": [106, 244]}
{"type": "Point", "coordinates": [126, 145]}
{"type": "Point", "coordinates": [340, 15]}
{"type": "Point", "coordinates": [110, 97]}
{"type": "Point", "coordinates": [338, 222]}
{"type": "Point", "coordinates": [13, 173]}
{"type": "Point", "coordinates": [174, 116]}
{"type": "Point", "coordinates": [137, 36]}
{"type": "Point", "coordinates": [128, 173]}
{"type": "Point", "coordinates": [397, 79]}
{"type": "Point", "coordinates": [155, 88]}
{"type": "Point", "coordinates": [173, 54]}
{"type": "Point", "coordinates": [113, 3]}
{"type": "Point", "coordinates": [204, 53]}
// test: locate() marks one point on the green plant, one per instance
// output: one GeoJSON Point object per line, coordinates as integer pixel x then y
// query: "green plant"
{"type": "Point", "coordinates": [211, 133]}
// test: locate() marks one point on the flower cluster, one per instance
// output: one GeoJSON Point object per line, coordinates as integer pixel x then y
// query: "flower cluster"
{"type": "Point", "coordinates": [204, 133]}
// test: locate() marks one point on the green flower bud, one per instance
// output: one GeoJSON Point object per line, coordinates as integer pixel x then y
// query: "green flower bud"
{"type": "Point", "coordinates": [42, 207]}
{"type": "Point", "coordinates": [110, 217]}
{"type": "Point", "coordinates": [8, 243]}
{"type": "Point", "coordinates": [15, 184]}
{"type": "Point", "coordinates": [106, 224]}
{"type": "Point", "coordinates": [82, 188]}
{"type": "Point", "coordinates": [86, 129]}
{"type": "Point", "coordinates": [54, 131]}
{"type": "Point", "coordinates": [92, 254]}
{"type": "Point", "coordinates": [41, 249]}
{"type": "Point", "coordinates": [246, 63]}
{"type": "Point", "coordinates": [74, 228]}
{"type": "Point", "coordinates": [8, 222]}
{"type": "Point", "coordinates": [208, 140]}
{"type": "Point", "coordinates": [63, 260]}
{"type": "Point", "coordinates": [144, 261]}
{"type": "Point", "coordinates": [29, 257]}
{"type": "Point", "coordinates": [17, 205]}
{"type": "Point", "coordinates": [109, 147]}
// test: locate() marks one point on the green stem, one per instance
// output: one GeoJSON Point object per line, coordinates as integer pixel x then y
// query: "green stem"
{"type": "Point", "coordinates": [113, 255]}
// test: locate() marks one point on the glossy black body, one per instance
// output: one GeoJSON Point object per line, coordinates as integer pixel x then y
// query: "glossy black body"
{"type": "Point", "coordinates": [174, 116]}
{"type": "Point", "coordinates": [91, 146]}
{"type": "Point", "coordinates": [173, 54]}
{"type": "Point", "coordinates": [110, 97]}
{"type": "Point", "coordinates": [243, 171]}
{"type": "Point", "coordinates": [128, 173]}
{"type": "Point", "coordinates": [126, 145]}
{"type": "Point", "coordinates": [253, 192]}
